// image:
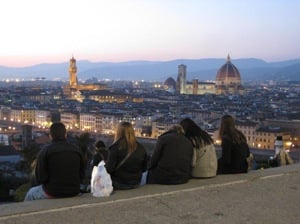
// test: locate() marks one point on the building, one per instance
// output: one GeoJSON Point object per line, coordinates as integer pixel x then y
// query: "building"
{"type": "Point", "coordinates": [72, 90]}
{"type": "Point", "coordinates": [42, 118]}
{"type": "Point", "coordinates": [71, 120]}
{"type": "Point", "coordinates": [22, 115]}
{"type": "Point", "coordinates": [181, 79]}
{"type": "Point", "coordinates": [265, 137]}
{"type": "Point", "coordinates": [248, 128]}
{"type": "Point", "coordinates": [195, 87]}
{"type": "Point", "coordinates": [228, 81]}
{"type": "Point", "coordinates": [170, 85]}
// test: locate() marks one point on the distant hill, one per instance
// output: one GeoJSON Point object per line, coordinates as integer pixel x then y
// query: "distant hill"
{"type": "Point", "coordinates": [202, 69]}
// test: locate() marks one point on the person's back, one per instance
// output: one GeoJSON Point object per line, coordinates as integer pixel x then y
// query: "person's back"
{"type": "Point", "coordinates": [59, 167]}
{"type": "Point", "coordinates": [171, 160]}
{"type": "Point", "coordinates": [64, 166]}
{"type": "Point", "coordinates": [206, 162]}
{"type": "Point", "coordinates": [127, 159]}
{"type": "Point", "coordinates": [205, 157]}
{"type": "Point", "coordinates": [235, 149]}
{"type": "Point", "coordinates": [234, 156]}
{"type": "Point", "coordinates": [129, 173]}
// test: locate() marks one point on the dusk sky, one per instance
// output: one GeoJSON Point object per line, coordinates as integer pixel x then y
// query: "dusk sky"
{"type": "Point", "coordinates": [35, 31]}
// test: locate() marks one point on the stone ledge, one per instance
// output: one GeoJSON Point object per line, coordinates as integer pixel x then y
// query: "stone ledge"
{"type": "Point", "coordinates": [258, 182]}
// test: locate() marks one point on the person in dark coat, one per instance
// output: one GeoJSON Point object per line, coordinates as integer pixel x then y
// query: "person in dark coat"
{"type": "Point", "coordinates": [127, 158]}
{"type": "Point", "coordinates": [171, 161]}
{"type": "Point", "coordinates": [235, 149]}
{"type": "Point", "coordinates": [59, 168]}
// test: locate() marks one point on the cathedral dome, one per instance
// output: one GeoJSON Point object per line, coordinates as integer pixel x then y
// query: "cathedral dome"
{"type": "Point", "coordinates": [228, 80]}
{"type": "Point", "coordinates": [170, 84]}
{"type": "Point", "coordinates": [228, 74]}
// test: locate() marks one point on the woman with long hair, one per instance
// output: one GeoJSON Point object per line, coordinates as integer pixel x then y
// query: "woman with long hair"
{"type": "Point", "coordinates": [235, 149]}
{"type": "Point", "coordinates": [204, 158]}
{"type": "Point", "coordinates": [127, 158]}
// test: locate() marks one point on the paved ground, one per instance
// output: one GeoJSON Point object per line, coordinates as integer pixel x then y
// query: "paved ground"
{"type": "Point", "coordinates": [264, 196]}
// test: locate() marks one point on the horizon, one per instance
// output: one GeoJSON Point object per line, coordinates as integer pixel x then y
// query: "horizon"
{"type": "Point", "coordinates": [141, 60]}
{"type": "Point", "coordinates": [116, 31]}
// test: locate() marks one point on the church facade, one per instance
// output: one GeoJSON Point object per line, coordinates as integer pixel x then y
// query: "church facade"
{"type": "Point", "coordinates": [228, 81]}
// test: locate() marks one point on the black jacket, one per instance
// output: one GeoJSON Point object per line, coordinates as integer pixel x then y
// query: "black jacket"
{"type": "Point", "coordinates": [234, 157]}
{"type": "Point", "coordinates": [171, 160]}
{"type": "Point", "coordinates": [60, 169]}
{"type": "Point", "coordinates": [130, 172]}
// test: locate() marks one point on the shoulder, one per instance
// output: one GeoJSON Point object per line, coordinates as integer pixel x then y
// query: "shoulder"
{"type": "Point", "coordinates": [114, 144]}
{"type": "Point", "coordinates": [207, 146]}
{"type": "Point", "coordinates": [114, 147]}
{"type": "Point", "coordinates": [61, 146]}
{"type": "Point", "coordinates": [69, 145]}
{"type": "Point", "coordinates": [43, 151]}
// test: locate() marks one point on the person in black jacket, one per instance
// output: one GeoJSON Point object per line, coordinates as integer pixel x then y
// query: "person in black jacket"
{"type": "Point", "coordinates": [127, 158]}
{"type": "Point", "coordinates": [171, 161]}
{"type": "Point", "coordinates": [59, 168]}
{"type": "Point", "coordinates": [235, 149]}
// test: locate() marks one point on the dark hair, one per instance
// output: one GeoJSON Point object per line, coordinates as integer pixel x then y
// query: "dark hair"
{"type": "Point", "coordinates": [100, 144]}
{"type": "Point", "coordinates": [195, 133]}
{"type": "Point", "coordinates": [58, 131]}
{"type": "Point", "coordinates": [228, 129]}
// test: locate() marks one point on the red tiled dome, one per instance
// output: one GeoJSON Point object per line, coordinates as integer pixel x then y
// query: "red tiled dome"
{"type": "Point", "coordinates": [228, 73]}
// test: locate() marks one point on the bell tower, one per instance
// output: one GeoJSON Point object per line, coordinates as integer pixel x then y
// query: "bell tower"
{"type": "Point", "coordinates": [181, 79]}
{"type": "Point", "coordinates": [73, 72]}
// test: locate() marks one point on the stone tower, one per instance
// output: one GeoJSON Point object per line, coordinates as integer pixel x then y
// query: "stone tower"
{"type": "Point", "coordinates": [181, 79]}
{"type": "Point", "coordinates": [73, 72]}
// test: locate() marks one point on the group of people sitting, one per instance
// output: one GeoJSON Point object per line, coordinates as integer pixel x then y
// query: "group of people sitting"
{"type": "Point", "coordinates": [185, 151]}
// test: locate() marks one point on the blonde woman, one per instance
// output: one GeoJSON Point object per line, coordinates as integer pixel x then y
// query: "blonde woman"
{"type": "Point", "coordinates": [127, 158]}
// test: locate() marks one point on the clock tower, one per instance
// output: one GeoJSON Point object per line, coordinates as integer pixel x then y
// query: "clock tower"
{"type": "Point", "coordinates": [73, 72]}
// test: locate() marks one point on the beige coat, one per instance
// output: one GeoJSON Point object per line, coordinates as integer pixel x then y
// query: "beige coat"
{"type": "Point", "coordinates": [284, 158]}
{"type": "Point", "coordinates": [205, 162]}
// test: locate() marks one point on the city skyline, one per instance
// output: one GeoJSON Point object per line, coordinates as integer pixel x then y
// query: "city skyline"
{"type": "Point", "coordinates": [37, 32]}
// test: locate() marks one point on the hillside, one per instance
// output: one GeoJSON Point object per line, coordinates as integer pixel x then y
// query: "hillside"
{"type": "Point", "coordinates": [202, 69]}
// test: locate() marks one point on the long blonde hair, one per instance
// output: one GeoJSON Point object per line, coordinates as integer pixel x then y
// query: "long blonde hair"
{"type": "Point", "coordinates": [126, 137]}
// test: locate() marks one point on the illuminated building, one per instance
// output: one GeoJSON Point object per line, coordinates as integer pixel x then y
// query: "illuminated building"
{"type": "Point", "coordinates": [69, 119]}
{"type": "Point", "coordinates": [265, 137]}
{"type": "Point", "coordinates": [228, 81]}
{"type": "Point", "coordinates": [72, 90]}
{"type": "Point", "coordinates": [195, 87]}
